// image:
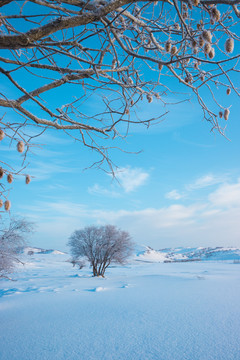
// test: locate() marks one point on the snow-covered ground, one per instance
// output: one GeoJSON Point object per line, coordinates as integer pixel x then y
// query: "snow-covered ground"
{"type": "Point", "coordinates": [143, 311]}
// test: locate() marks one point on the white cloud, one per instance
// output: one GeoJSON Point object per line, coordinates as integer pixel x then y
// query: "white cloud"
{"type": "Point", "coordinates": [174, 195]}
{"type": "Point", "coordinates": [131, 178]}
{"type": "Point", "coordinates": [212, 223]}
{"type": "Point", "coordinates": [227, 195]}
{"type": "Point", "coordinates": [160, 218]}
{"type": "Point", "coordinates": [100, 190]}
{"type": "Point", "coordinates": [57, 220]}
{"type": "Point", "coordinates": [51, 209]}
{"type": "Point", "coordinates": [44, 170]}
{"type": "Point", "coordinates": [206, 180]}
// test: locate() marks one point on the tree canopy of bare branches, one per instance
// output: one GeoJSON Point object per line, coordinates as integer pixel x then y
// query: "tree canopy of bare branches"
{"type": "Point", "coordinates": [82, 66]}
{"type": "Point", "coordinates": [101, 246]}
{"type": "Point", "coordinates": [12, 239]}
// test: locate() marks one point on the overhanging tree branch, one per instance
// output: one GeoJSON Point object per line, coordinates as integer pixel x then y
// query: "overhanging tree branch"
{"type": "Point", "coordinates": [83, 67]}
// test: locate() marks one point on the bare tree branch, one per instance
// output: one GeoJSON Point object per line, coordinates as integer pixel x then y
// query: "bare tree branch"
{"type": "Point", "coordinates": [113, 54]}
{"type": "Point", "coordinates": [12, 239]}
{"type": "Point", "coordinates": [101, 246]}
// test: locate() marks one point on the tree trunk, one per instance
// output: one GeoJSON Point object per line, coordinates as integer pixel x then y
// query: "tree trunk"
{"type": "Point", "coordinates": [94, 269]}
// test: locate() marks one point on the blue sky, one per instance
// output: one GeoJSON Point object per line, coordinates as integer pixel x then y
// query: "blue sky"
{"type": "Point", "coordinates": [183, 189]}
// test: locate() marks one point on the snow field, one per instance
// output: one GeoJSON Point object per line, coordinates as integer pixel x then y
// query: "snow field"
{"type": "Point", "coordinates": [143, 311]}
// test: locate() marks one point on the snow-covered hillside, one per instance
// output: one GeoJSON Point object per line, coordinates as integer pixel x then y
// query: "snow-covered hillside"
{"type": "Point", "coordinates": [141, 311]}
{"type": "Point", "coordinates": [33, 250]}
{"type": "Point", "coordinates": [188, 254]}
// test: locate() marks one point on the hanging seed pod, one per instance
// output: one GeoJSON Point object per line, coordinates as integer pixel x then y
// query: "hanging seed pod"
{"type": "Point", "coordinates": [27, 179]}
{"type": "Point", "coordinates": [207, 48]}
{"type": "Point", "coordinates": [2, 134]}
{"type": "Point", "coordinates": [20, 146]}
{"type": "Point", "coordinates": [190, 4]}
{"type": "Point", "coordinates": [168, 46]}
{"type": "Point", "coordinates": [212, 21]}
{"type": "Point", "coordinates": [211, 53]}
{"type": "Point", "coordinates": [9, 178]}
{"type": "Point", "coordinates": [7, 205]}
{"type": "Point", "coordinates": [228, 91]}
{"type": "Point", "coordinates": [195, 51]}
{"type": "Point", "coordinates": [196, 2]}
{"type": "Point", "coordinates": [149, 98]}
{"type": "Point", "coordinates": [114, 63]}
{"type": "Point", "coordinates": [130, 80]}
{"type": "Point", "coordinates": [184, 6]}
{"type": "Point", "coordinates": [215, 14]}
{"type": "Point", "coordinates": [199, 26]}
{"type": "Point", "coordinates": [1, 173]}
{"type": "Point", "coordinates": [177, 26]}
{"type": "Point", "coordinates": [132, 102]}
{"type": "Point", "coordinates": [177, 64]}
{"type": "Point", "coordinates": [226, 114]}
{"type": "Point", "coordinates": [1, 203]}
{"type": "Point", "coordinates": [126, 112]}
{"type": "Point", "coordinates": [188, 79]}
{"type": "Point", "coordinates": [207, 36]}
{"type": "Point", "coordinates": [220, 114]}
{"type": "Point", "coordinates": [185, 15]}
{"type": "Point", "coordinates": [174, 50]}
{"type": "Point", "coordinates": [193, 43]}
{"type": "Point", "coordinates": [229, 45]}
{"type": "Point", "coordinates": [202, 77]}
{"type": "Point", "coordinates": [160, 66]}
{"type": "Point", "coordinates": [201, 41]}
{"type": "Point", "coordinates": [195, 66]}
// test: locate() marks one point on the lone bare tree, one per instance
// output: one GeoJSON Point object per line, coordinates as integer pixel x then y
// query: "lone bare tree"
{"type": "Point", "coordinates": [82, 66]}
{"type": "Point", "coordinates": [12, 239]}
{"type": "Point", "coordinates": [101, 246]}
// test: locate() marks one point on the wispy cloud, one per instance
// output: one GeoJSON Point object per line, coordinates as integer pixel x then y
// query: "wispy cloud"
{"type": "Point", "coordinates": [127, 179]}
{"type": "Point", "coordinates": [177, 136]}
{"type": "Point", "coordinates": [213, 222]}
{"type": "Point", "coordinates": [131, 178]}
{"type": "Point", "coordinates": [174, 195]}
{"type": "Point", "coordinates": [44, 170]}
{"type": "Point", "coordinates": [207, 180]}
{"type": "Point", "coordinates": [100, 190]}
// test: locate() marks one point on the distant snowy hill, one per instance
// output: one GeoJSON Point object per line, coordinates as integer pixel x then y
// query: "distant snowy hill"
{"type": "Point", "coordinates": [188, 254]}
{"type": "Point", "coordinates": [33, 250]}
{"type": "Point", "coordinates": [147, 254]}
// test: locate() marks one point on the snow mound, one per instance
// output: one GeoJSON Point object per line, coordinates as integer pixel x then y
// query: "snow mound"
{"type": "Point", "coordinates": [97, 289]}
{"type": "Point", "coordinates": [151, 255]}
{"type": "Point", "coordinates": [100, 288]}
